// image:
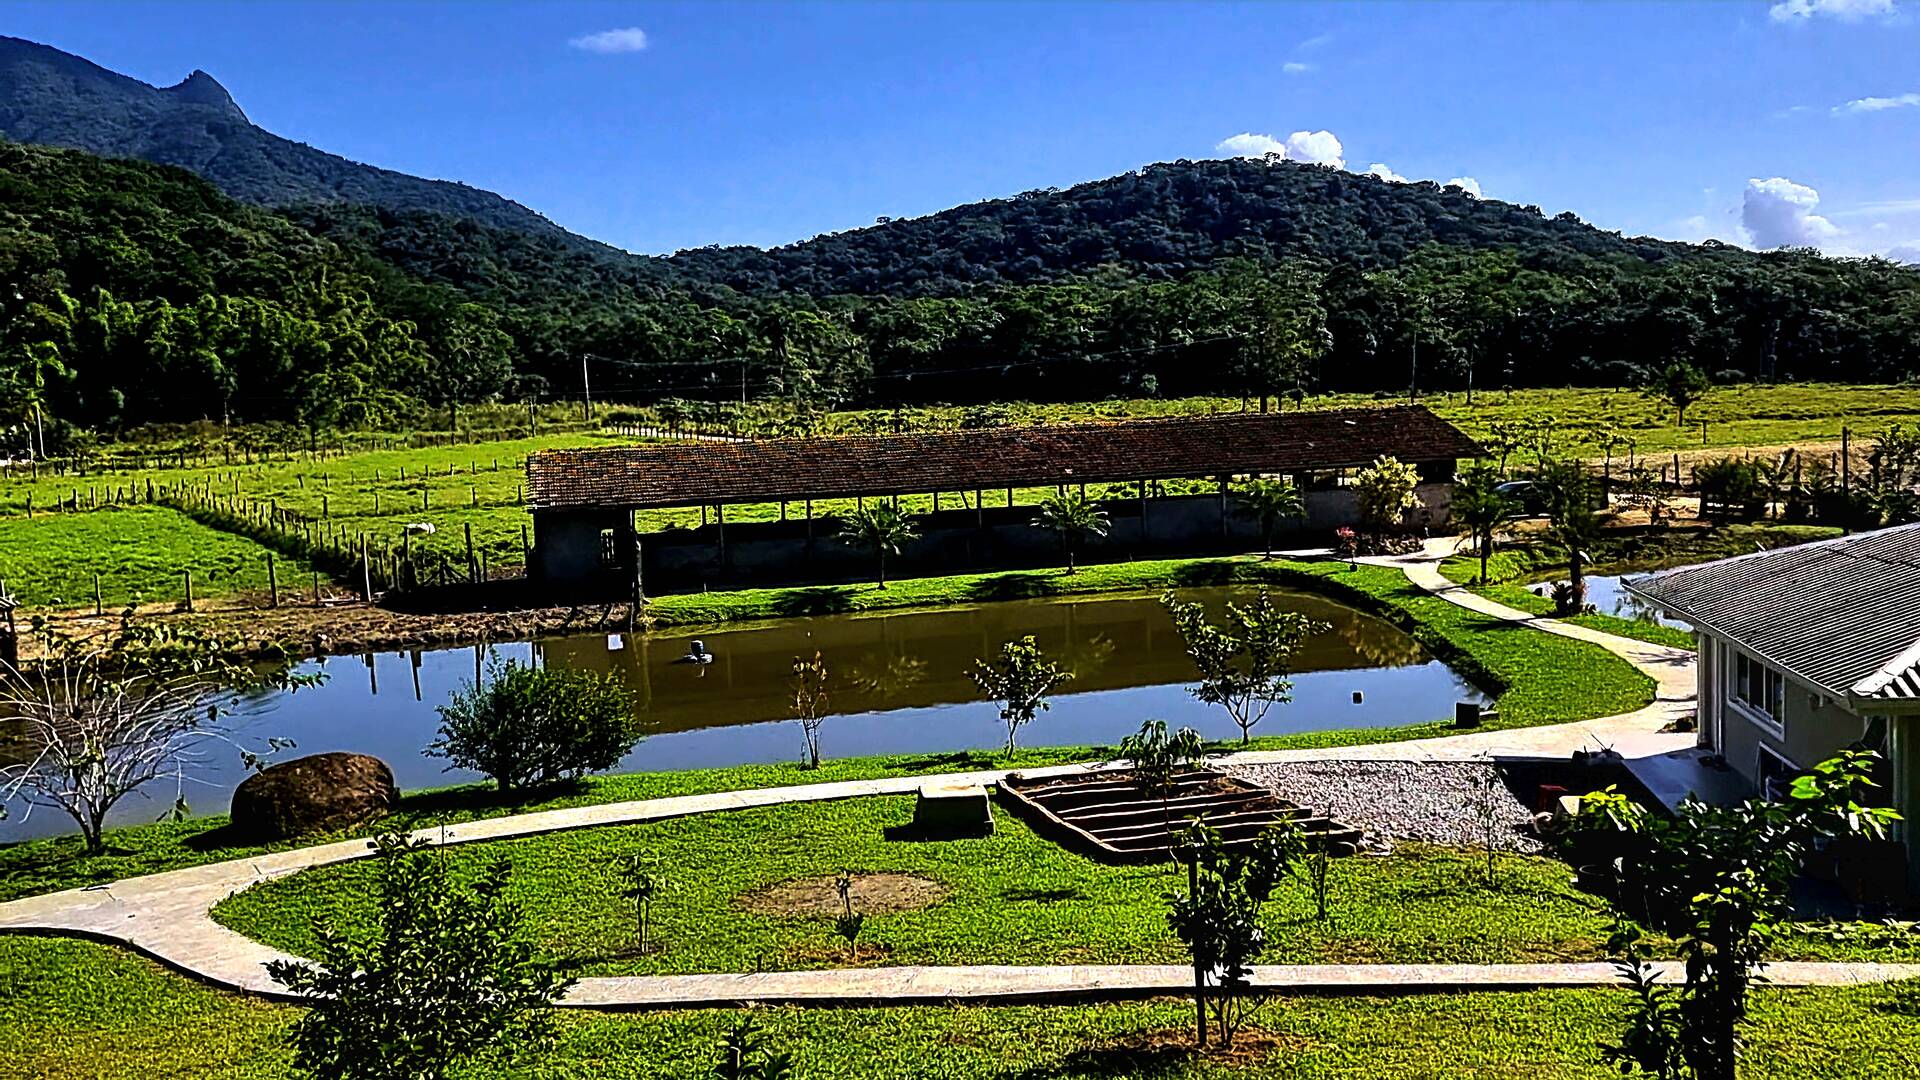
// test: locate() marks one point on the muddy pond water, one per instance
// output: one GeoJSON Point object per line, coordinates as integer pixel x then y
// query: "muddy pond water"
{"type": "Point", "coordinates": [899, 685]}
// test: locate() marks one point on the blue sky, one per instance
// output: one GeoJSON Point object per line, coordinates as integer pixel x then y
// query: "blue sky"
{"type": "Point", "coordinates": [695, 123]}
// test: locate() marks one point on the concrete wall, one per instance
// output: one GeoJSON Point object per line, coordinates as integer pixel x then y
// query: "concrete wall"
{"type": "Point", "coordinates": [567, 546]}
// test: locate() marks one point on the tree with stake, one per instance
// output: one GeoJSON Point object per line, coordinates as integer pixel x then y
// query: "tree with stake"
{"type": "Point", "coordinates": [1480, 505]}
{"type": "Point", "coordinates": [1716, 879]}
{"type": "Point", "coordinates": [1072, 517]}
{"type": "Point", "coordinates": [97, 722]}
{"type": "Point", "coordinates": [848, 923]}
{"type": "Point", "coordinates": [1217, 919]}
{"type": "Point", "coordinates": [643, 881]}
{"type": "Point", "coordinates": [1245, 662]}
{"type": "Point", "coordinates": [1020, 681]}
{"type": "Point", "coordinates": [1271, 501]}
{"type": "Point", "coordinates": [881, 528]}
{"type": "Point", "coordinates": [810, 702]}
{"type": "Point", "coordinates": [448, 976]}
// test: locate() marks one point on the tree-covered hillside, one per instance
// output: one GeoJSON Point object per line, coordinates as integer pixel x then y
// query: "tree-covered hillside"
{"type": "Point", "coordinates": [55, 98]}
{"type": "Point", "coordinates": [146, 295]}
{"type": "Point", "coordinates": [1158, 223]}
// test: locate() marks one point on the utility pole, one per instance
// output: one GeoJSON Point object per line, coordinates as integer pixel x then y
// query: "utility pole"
{"type": "Point", "coordinates": [586, 391]}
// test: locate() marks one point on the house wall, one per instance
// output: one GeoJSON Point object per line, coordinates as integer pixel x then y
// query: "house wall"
{"type": "Point", "coordinates": [1814, 728]}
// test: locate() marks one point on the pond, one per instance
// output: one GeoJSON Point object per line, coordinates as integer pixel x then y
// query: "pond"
{"type": "Point", "coordinates": [1609, 597]}
{"type": "Point", "coordinates": [899, 685]}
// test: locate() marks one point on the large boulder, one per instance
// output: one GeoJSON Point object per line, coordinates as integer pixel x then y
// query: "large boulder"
{"type": "Point", "coordinates": [318, 793]}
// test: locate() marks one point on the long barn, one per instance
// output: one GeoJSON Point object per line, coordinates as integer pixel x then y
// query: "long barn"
{"type": "Point", "coordinates": [584, 501]}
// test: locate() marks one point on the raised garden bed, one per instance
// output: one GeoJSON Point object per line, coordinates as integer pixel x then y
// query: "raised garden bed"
{"type": "Point", "coordinates": [1109, 816]}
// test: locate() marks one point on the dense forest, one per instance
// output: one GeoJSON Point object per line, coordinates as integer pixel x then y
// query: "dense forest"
{"type": "Point", "coordinates": [133, 293]}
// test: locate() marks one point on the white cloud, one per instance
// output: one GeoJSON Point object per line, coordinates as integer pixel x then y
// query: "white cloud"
{"type": "Point", "coordinates": [1798, 11]}
{"type": "Point", "coordinates": [1295, 67]}
{"type": "Point", "coordinates": [627, 39]}
{"type": "Point", "coordinates": [1465, 183]}
{"type": "Point", "coordinates": [1905, 253]}
{"type": "Point", "coordinates": [1384, 173]}
{"type": "Point", "coordinates": [1312, 147]}
{"type": "Point", "coordinates": [1314, 42]}
{"type": "Point", "coordinates": [1779, 213]}
{"type": "Point", "coordinates": [1879, 104]}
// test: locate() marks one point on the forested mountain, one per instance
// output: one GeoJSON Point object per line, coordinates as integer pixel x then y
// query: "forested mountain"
{"type": "Point", "coordinates": [133, 292]}
{"type": "Point", "coordinates": [52, 97]}
{"type": "Point", "coordinates": [1159, 223]}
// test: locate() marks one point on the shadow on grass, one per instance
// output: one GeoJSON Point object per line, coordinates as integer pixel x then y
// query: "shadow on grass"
{"type": "Point", "coordinates": [1121, 1060]}
{"type": "Point", "coordinates": [1041, 896]}
{"type": "Point", "coordinates": [1205, 573]}
{"type": "Point", "coordinates": [476, 799]}
{"type": "Point", "coordinates": [1012, 587]}
{"type": "Point", "coordinates": [814, 601]}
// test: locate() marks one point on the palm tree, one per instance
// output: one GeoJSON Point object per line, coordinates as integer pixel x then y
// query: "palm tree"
{"type": "Point", "coordinates": [881, 528]}
{"type": "Point", "coordinates": [1270, 502]}
{"type": "Point", "coordinates": [1480, 505]}
{"type": "Point", "coordinates": [1074, 517]}
{"type": "Point", "coordinates": [1573, 524]}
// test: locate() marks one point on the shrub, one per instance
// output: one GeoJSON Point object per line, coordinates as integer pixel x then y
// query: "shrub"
{"type": "Point", "coordinates": [524, 726]}
{"type": "Point", "coordinates": [447, 976]}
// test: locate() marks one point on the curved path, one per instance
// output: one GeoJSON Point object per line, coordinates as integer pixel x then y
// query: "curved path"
{"type": "Point", "coordinates": [167, 916]}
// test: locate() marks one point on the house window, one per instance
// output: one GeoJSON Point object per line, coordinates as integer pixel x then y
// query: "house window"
{"type": "Point", "coordinates": [1759, 688]}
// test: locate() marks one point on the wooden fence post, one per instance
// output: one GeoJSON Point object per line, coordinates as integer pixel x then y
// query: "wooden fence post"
{"type": "Point", "coordinates": [273, 583]}
{"type": "Point", "coordinates": [188, 576]}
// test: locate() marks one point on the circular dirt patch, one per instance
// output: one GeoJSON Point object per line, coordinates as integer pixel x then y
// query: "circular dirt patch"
{"type": "Point", "coordinates": [873, 894]}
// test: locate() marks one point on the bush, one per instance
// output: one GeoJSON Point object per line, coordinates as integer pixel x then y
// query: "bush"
{"type": "Point", "coordinates": [524, 726]}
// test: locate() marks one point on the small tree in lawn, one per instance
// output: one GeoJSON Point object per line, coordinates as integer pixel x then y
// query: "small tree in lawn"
{"type": "Point", "coordinates": [1680, 385]}
{"type": "Point", "coordinates": [1072, 517]}
{"type": "Point", "coordinates": [880, 528]}
{"type": "Point", "coordinates": [1218, 920]}
{"type": "Point", "coordinates": [1019, 681]}
{"type": "Point", "coordinates": [1385, 491]}
{"type": "Point", "coordinates": [1479, 504]}
{"type": "Point", "coordinates": [1245, 662]}
{"type": "Point", "coordinates": [744, 1055]}
{"type": "Point", "coordinates": [1270, 502]}
{"type": "Point", "coordinates": [1158, 759]}
{"type": "Point", "coordinates": [446, 976]}
{"type": "Point", "coordinates": [526, 726]}
{"type": "Point", "coordinates": [848, 923]}
{"type": "Point", "coordinates": [1716, 879]}
{"type": "Point", "coordinates": [810, 702]}
{"type": "Point", "coordinates": [642, 882]}
{"type": "Point", "coordinates": [98, 721]}
{"type": "Point", "coordinates": [1573, 524]}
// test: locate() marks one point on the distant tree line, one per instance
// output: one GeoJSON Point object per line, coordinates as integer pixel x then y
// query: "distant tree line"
{"type": "Point", "coordinates": [133, 293]}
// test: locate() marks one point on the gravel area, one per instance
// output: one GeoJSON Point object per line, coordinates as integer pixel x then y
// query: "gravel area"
{"type": "Point", "coordinates": [1432, 802]}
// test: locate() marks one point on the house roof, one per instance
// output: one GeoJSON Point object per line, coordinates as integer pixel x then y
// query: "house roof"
{"type": "Point", "coordinates": [694, 473]}
{"type": "Point", "coordinates": [1841, 614]}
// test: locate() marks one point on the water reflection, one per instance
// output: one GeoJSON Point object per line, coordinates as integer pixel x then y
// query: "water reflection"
{"type": "Point", "coordinates": [899, 685]}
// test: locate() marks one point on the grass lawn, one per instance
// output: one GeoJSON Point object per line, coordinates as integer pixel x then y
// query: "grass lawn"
{"type": "Point", "coordinates": [139, 553]}
{"type": "Point", "coordinates": [1528, 670]}
{"type": "Point", "coordinates": [1012, 898]}
{"type": "Point", "coordinates": [78, 1010]}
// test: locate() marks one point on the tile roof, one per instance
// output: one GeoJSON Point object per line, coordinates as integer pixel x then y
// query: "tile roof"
{"type": "Point", "coordinates": [1841, 614]}
{"type": "Point", "coordinates": [692, 473]}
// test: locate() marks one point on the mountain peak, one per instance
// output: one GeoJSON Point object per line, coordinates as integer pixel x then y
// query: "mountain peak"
{"type": "Point", "coordinates": [201, 88]}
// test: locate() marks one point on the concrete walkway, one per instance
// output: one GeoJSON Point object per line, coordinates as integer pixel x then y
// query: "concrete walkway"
{"type": "Point", "coordinates": [166, 916]}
